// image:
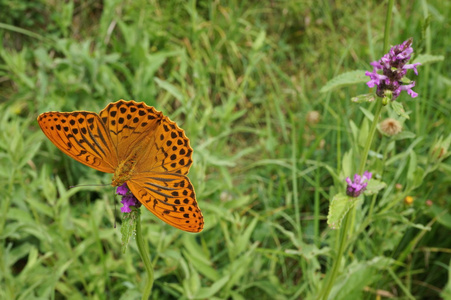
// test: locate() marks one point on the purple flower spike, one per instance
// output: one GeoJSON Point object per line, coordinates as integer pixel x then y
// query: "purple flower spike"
{"type": "Point", "coordinates": [394, 67]}
{"type": "Point", "coordinates": [128, 199]}
{"type": "Point", "coordinates": [358, 186]}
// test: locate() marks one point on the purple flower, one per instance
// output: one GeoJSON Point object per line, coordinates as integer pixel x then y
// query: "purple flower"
{"type": "Point", "coordinates": [394, 67]}
{"type": "Point", "coordinates": [354, 189]}
{"type": "Point", "coordinates": [128, 199]}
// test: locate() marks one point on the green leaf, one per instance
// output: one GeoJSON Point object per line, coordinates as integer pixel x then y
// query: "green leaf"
{"type": "Point", "coordinates": [415, 174]}
{"type": "Point", "coordinates": [427, 58]}
{"type": "Point", "coordinates": [412, 166]}
{"type": "Point", "coordinates": [347, 163]}
{"type": "Point", "coordinates": [363, 98]}
{"type": "Point", "coordinates": [198, 258]}
{"type": "Point", "coordinates": [363, 133]}
{"type": "Point", "coordinates": [170, 88]}
{"type": "Point", "coordinates": [259, 41]}
{"type": "Point", "coordinates": [442, 215]}
{"type": "Point", "coordinates": [244, 239]}
{"type": "Point", "coordinates": [338, 209]}
{"type": "Point", "coordinates": [446, 293]}
{"type": "Point", "coordinates": [439, 150]}
{"type": "Point", "coordinates": [404, 135]}
{"type": "Point", "coordinates": [367, 113]}
{"type": "Point", "coordinates": [207, 293]}
{"type": "Point", "coordinates": [399, 109]}
{"type": "Point", "coordinates": [354, 129]}
{"type": "Point", "coordinates": [191, 285]}
{"type": "Point", "coordinates": [355, 278]}
{"type": "Point", "coordinates": [374, 186]}
{"type": "Point", "coordinates": [347, 78]}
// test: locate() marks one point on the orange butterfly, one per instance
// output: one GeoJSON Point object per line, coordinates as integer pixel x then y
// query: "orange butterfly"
{"type": "Point", "coordinates": [142, 147]}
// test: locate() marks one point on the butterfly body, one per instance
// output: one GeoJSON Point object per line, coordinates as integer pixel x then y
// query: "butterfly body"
{"type": "Point", "coordinates": [141, 147]}
{"type": "Point", "coordinates": [124, 171]}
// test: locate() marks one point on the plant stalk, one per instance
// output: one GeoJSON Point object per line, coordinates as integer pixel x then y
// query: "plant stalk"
{"type": "Point", "coordinates": [146, 259]}
{"type": "Point", "coordinates": [349, 218]}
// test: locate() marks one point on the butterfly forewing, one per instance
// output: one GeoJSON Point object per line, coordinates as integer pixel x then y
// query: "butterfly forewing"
{"type": "Point", "coordinates": [170, 197]}
{"type": "Point", "coordinates": [82, 136]}
{"type": "Point", "coordinates": [129, 124]}
{"type": "Point", "coordinates": [162, 145]}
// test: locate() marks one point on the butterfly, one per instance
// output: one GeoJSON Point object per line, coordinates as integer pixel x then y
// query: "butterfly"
{"type": "Point", "coordinates": [141, 147]}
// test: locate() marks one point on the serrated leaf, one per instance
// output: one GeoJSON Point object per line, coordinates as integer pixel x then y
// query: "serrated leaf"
{"type": "Point", "coordinates": [338, 209]}
{"type": "Point", "coordinates": [128, 227]}
{"type": "Point", "coordinates": [427, 58]}
{"type": "Point", "coordinates": [374, 186]}
{"type": "Point", "coordinates": [399, 109]}
{"type": "Point", "coordinates": [347, 78]}
{"type": "Point", "coordinates": [363, 98]}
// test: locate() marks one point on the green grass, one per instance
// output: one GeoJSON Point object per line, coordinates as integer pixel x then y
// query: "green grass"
{"type": "Point", "coordinates": [240, 77]}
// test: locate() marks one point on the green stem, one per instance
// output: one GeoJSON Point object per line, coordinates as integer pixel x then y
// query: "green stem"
{"type": "Point", "coordinates": [294, 179]}
{"type": "Point", "coordinates": [370, 137]}
{"type": "Point", "coordinates": [341, 248]}
{"type": "Point", "coordinates": [388, 25]}
{"type": "Point", "coordinates": [146, 259]}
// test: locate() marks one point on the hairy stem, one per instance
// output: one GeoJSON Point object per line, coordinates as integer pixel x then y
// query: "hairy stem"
{"type": "Point", "coordinates": [146, 259]}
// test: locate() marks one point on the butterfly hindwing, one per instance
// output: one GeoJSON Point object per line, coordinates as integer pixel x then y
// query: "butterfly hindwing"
{"type": "Point", "coordinates": [170, 197]}
{"type": "Point", "coordinates": [82, 136]}
{"type": "Point", "coordinates": [169, 151]}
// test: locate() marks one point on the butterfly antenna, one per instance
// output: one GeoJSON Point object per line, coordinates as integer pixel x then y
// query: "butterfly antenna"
{"type": "Point", "coordinates": [78, 185]}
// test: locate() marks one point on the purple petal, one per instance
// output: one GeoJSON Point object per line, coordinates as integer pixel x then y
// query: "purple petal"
{"type": "Point", "coordinates": [354, 189]}
{"type": "Point", "coordinates": [412, 66]}
{"type": "Point", "coordinates": [367, 175]}
{"type": "Point", "coordinates": [348, 180]}
{"type": "Point", "coordinates": [122, 190]}
{"type": "Point", "coordinates": [412, 93]}
{"type": "Point", "coordinates": [376, 65]}
{"type": "Point", "coordinates": [126, 209]}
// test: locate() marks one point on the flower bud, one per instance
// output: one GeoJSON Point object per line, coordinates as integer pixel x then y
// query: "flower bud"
{"type": "Point", "coordinates": [408, 200]}
{"type": "Point", "coordinates": [390, 127]}
{"type": "Point", "coordinates": [313, 117]}
{"type": "Point", "coordinates": [440, 149]}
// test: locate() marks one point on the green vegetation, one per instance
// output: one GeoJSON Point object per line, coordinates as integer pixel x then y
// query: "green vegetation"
{"type": "Point", "coordinates": [274, 139]}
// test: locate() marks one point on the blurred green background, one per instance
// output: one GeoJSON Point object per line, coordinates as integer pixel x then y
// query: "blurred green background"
{"type": "Point", "coordinates": [243, 79]}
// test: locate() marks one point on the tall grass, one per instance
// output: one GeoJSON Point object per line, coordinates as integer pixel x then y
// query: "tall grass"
{"type": "Point", "coordinates": [242, 79]}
